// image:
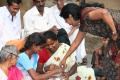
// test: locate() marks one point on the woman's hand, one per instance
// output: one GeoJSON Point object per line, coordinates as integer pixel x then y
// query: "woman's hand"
{"type": "Point", "coordinates": [65, 75]}
{"type": "Point", "coordinates": [114, 36]}
{"type": "Point", "coordinates": [63, 64]}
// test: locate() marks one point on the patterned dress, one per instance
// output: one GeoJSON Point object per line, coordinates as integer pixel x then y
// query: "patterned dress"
{"type": "Point", "coordinates": [100, 28]}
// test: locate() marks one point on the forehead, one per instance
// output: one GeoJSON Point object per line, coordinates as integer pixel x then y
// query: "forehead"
{"type": "Point", "coordinates": [49, 41]}
{"type": "Point", "coordinates": [105, 38]}
{"type": "Point", "coordinates": [15, 5]}
{"type": "Point", "coordinates": [68, 20]}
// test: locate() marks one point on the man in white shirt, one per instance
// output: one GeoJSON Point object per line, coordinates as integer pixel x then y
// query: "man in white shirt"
{"type": "Point", "coordinates": [72, 31]}
{"type": "Point", "coordinates": [10, 22]}
{"type": "Point", "coordinates": [38, 19]}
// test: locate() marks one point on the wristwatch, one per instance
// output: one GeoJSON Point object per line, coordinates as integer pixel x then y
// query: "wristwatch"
{"type": "Point", "coordinates": [114, 33]}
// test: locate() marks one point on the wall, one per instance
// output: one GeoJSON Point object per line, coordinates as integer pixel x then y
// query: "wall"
{"type": "Point", "coordinates": [113, 4]}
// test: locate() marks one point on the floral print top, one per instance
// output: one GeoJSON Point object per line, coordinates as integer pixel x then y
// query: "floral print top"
{"type": "Point", "coordinates": [99, 27]}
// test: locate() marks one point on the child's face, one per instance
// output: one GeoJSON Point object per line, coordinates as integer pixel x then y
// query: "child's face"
{"type": "Point", "coordinates": [36, 49]}
{"type": "Point", "coordinates": [105, 41]}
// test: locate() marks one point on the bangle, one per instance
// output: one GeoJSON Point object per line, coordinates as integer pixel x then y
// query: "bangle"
{"type": "Point", "coordinates": [44, 70]}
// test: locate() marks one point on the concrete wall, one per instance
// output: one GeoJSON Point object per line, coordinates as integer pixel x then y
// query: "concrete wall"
{"type": "Point", "coordinates": [113, 4]}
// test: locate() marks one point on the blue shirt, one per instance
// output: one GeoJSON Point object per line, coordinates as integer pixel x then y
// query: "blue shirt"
{"type": "Point", "coordinates": [25, 64]}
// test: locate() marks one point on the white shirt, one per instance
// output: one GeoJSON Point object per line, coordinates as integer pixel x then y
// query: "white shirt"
{"type": "Point", "coordinates": [9, 30]}
{"type": "Point", "coordinates": [3, 76]}
{"type": "Point", "coordinates": [60, 22]}
{"type": "Point", "coordinates": [35, 22]}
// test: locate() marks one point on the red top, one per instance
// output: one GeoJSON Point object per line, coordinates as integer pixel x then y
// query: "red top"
{"type": "Point", "coordinates": [43, 56]}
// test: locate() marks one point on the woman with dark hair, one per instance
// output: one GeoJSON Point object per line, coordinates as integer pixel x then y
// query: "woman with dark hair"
{"type": "Point", "coordinates": [53, 53]}
{"type": "Point", "coordinates": [71, 31]}
{"type": "Point", "coordinates": [95, 19]}
{"type": "Point", "coordinates": [28, 58]}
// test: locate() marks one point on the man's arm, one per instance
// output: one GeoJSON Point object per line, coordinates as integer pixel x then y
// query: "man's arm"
{"type": "Point", "coordinates": [1, 25]}
{"type": "Point", "coordinates": [72, 31]}
{"type": "Point", "coordinates": [19, 33]}
{"type": "Point", "coordinates": [1, 30]}
{"type": "Point", "coordinates": [52, 22]}
{"type": "Point", "coordinates": [28, 24]}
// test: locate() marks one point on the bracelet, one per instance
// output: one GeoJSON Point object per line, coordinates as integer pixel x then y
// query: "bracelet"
{"type": "Point", "coordinates": [44, 70]}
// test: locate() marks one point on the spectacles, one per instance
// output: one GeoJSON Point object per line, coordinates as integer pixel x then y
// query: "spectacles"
{"type": "Point", "coordinates": [14, 55]}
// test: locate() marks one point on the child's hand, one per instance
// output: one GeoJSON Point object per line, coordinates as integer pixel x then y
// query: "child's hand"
{"type": "Point", "coordinates": [59, 70]}
{"type": "Point", "coordinates": [52, 67]}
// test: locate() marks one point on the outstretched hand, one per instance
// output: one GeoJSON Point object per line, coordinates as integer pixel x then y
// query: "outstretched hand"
{"type": "Point", "coordinates": [63, 64]}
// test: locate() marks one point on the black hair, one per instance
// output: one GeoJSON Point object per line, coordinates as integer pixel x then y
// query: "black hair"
{"type": "Point", "coordinates": [34, 0]}
{"type": "Point", "coordinates": [50, 35]}
{"type": "Point", "coordinates": [76, 10]}
{"type": "Point", "coordinates": [35, 38]}
{"type": "Point", "coordinates": [72, 9]}
{"type": "Point", "coordinates": [15, 1]}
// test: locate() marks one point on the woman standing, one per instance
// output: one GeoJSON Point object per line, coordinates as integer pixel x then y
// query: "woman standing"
{"type": "Point", "coordinates": [97, 20]}
{"type": "Point", "coordinates": [71, 31]}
